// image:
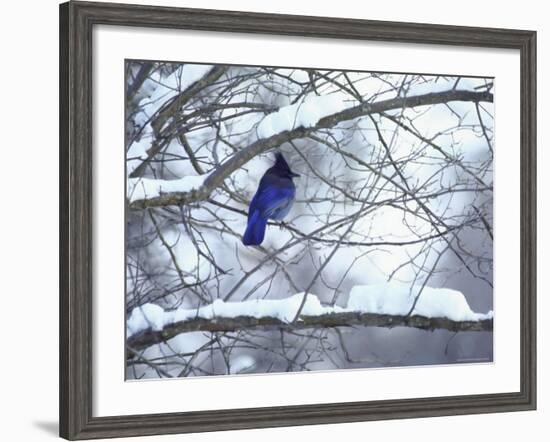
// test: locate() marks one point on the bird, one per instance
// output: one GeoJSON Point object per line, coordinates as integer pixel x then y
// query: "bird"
{"type": "Point", "coordinates": [273, 200]}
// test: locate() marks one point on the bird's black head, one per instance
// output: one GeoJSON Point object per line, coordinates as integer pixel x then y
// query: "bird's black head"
{"type": "Point", "coordinates": [282, 168]}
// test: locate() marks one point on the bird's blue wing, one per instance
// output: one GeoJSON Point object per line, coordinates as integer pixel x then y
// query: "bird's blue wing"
{"type": "Point", "coordinates": [269, 199]}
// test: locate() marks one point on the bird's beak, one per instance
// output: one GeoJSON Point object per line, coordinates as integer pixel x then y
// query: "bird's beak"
{"type": "Point", "coordinates": [295, 175]}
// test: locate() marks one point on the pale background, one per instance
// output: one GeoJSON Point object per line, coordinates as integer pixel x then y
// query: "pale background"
{"type": "Point", "coordinates": [29, 223]}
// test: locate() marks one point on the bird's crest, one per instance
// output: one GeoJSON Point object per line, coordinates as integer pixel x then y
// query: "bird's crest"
{"type": "Point", "coordinates": [282, 166]}
{"type": "Point", "coordinates": [280, 161]}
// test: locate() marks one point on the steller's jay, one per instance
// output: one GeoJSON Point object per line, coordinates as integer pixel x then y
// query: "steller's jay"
{"type": "Point", "coordinates": [272, 200]}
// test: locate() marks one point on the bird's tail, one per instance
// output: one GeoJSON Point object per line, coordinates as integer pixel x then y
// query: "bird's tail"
{"type": "Point", "coordinates": [255, 230]}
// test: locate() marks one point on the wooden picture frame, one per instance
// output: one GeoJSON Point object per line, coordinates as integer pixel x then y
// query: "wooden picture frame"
{"type": "Point", "coordinates": [76, 243]}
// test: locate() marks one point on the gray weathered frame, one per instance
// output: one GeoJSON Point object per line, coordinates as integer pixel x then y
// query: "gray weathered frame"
{"type": "Point", "coordinates": [76, 163]}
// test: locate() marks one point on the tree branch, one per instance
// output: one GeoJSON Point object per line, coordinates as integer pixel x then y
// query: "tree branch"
{"type": "Point", "coordinates": [149, 337]}
{"type": "Point", "coordinates": [217, 177]}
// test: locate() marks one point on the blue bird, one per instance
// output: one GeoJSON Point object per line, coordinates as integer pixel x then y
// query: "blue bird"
{"type": "Point", "coordinates": [272, 200]}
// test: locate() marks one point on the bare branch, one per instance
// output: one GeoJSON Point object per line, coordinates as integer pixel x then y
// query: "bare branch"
{"type": "Point", "coordinates": [168, 110]}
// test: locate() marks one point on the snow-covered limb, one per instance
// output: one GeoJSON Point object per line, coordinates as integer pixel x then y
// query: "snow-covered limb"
{"type": "Point", "coordinates": [277, 134]}
{"type": "Point", "coordinates": [306, 113]}
{"type": "Point", "coordinates": [379, 305]}
{"type": "Point", "coordinates": [144, 188]}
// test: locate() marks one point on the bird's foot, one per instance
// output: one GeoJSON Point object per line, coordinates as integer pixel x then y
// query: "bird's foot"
{"type": "Point", "coordinates": [282, 225]}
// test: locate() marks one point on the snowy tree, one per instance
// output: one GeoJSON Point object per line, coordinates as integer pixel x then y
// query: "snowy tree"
{"type": "Point", "coordinates": [384, 258]}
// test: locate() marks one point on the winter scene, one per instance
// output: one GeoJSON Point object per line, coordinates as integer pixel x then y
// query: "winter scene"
{"type": "Point", "coordinates": [287, 219]}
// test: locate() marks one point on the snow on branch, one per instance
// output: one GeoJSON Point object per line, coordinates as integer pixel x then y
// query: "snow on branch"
{"type": "Point", "coordinates": [143, 188]}
{"type": "Point", "coordinates": [278, 128]}
{"type": "Point", "coordinates": [378, 305]}
{"type": "Point", "coordinates": [306, 113]}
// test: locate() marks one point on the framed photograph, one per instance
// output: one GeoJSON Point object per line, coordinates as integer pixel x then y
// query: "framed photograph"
{"type": "Point", "coordinates": [272, 220]}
